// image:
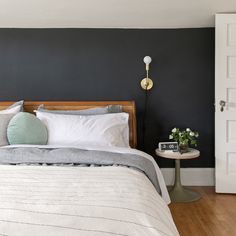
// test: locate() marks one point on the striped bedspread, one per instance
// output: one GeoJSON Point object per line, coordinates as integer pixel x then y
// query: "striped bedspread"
{"type": "Point", "coordinates": [87, 201]}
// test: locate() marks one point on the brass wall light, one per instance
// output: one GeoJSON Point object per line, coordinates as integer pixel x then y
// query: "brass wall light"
{"type": "Point", "coordinates": [147, 83]}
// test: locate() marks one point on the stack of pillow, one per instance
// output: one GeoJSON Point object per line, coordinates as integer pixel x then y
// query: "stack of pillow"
{"type": "Point", "coordinates": [106, 126]}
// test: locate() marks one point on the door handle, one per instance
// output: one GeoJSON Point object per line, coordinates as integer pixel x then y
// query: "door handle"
{"type": "Point", "coordinates": [222, 105]}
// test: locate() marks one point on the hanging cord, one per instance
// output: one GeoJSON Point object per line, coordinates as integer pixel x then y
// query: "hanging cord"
{"type": "Point", "coordinates": [144, 119]}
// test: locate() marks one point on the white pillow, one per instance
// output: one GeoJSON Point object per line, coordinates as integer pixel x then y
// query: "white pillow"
{"type": "Point", "coordinates": [14, 108]}
{"type": "Point", "coordinates": [4, 121]}
{"type": "Point", "coordinates": [106, 130]}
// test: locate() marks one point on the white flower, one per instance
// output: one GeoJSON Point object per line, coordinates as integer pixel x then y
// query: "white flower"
{"type": "Point", "coordinates": [174, 130]}
{"type": "Point", "coordinates": [170, 137]}
{"type": "Point", "coordinates": [196, 135]}
{"type": "Point", "coordinates": [191, 134]}
{"type": "Point", "coordinates": [188, 130]}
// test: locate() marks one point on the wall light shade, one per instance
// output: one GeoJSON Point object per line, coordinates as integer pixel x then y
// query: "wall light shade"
{"type": "Point", "coordinates": [147, 83]}
{"type": "Point", "coordinates": [147, 60]}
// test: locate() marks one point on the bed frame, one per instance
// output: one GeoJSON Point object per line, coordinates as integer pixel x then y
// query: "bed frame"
{"type": "Point", "coordinates": [127, 106]}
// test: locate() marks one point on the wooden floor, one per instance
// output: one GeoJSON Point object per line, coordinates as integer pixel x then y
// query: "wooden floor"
{"type": "Point", "coordinates": [214, 214]}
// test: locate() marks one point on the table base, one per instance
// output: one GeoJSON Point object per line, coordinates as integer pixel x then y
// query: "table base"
{"type": "Point", "coordinates": [180, 194]}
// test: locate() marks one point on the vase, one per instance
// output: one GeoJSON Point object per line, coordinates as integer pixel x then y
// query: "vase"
{"type": "Point", "coordinates": [183, 148]}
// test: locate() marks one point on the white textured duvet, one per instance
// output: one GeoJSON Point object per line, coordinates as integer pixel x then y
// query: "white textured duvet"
{"type": "Point", "coordinates": [64, 200]}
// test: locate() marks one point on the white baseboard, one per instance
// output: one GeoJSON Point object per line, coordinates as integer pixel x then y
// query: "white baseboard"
{"type": "Point", "coordinates": [191, 176]}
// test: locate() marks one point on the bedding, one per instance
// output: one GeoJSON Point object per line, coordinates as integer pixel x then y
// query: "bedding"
{"type": "Point", "coordinates": [5, 117]}
{"type": "Point", "coordinates": [89, 111]}
{"type": "Point", "coordinates": [44, 190]}
{"type": "Point", "coordinates": [14, 108]}
{"type": "Point", "coordinates": [4, 121]}
{"type": "Point", "coordinates": [106, 130]}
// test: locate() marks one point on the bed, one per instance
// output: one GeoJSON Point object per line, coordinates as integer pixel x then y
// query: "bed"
{"type": "Point", "coordinates": [82, 189]}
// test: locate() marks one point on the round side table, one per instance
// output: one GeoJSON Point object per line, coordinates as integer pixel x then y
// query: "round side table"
{"type": "Point", "coordinates": [179, 193]}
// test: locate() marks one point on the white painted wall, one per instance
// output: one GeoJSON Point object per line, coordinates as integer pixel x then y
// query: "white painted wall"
{"type": "Point", "coordinates": [191, 176]}
{"type": "Point", "coordinates": [111, 13]}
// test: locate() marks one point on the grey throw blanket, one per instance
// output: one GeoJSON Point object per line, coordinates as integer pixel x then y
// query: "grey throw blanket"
{"type": "Point", "coordinates": [33, 155]}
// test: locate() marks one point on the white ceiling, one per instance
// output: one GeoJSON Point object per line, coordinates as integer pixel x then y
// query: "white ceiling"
{"type": "Point", "coordinates": [111, 13]}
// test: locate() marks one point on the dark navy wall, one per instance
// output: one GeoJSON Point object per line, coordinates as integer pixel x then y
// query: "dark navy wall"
{"type": "Point", "coordinates": [106, 64]}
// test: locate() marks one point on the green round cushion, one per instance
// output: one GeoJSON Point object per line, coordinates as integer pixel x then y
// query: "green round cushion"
{"type": "Point", "coordinates": [25, 128]}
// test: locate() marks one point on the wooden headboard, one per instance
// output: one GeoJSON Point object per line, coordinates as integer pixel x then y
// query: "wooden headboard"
{"type": "Point", "coordinates": [127, 106]}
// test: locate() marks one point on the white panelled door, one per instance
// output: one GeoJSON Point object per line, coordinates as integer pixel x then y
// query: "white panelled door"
{"type": "Point", "coordinates": [225, 103]}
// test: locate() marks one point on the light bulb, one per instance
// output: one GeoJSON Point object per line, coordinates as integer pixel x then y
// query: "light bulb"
{"type": "Point", "coordinates": [147, 60]}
